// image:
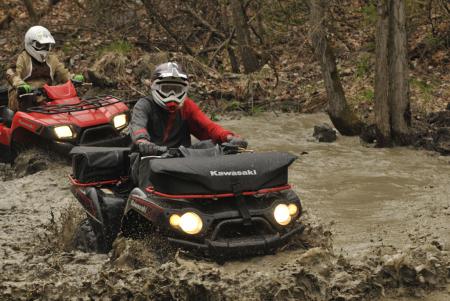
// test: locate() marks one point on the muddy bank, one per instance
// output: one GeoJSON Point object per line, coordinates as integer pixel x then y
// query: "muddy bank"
{"type": "Point", "coordinates": [377, 225]}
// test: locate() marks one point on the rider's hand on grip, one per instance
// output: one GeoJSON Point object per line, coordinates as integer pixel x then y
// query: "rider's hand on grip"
{"type": "Point", "coordinates": [24, 89]}
{"type": "Point", "coordinates": [237, 141]}
{"type": "Point", "coordinates": [148, 148]}
{"type": "Point", "coordinates": [78, 78]}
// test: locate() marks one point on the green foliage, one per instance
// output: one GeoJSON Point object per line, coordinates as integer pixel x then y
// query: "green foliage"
{"type": "Point", "coordinates": [433, 42]}
{"type": "Point", "coordinates": [119, 46]}
{"type": "Point", "coordinates": [256, 110]}
{"type": "Point", "coordinates": [367, 95]}
{"type": "Point", "coordinates": [425, 88]}
{"type": "Point", "coordinates": [233, 105]}
{"type": "Point", "coordinates": [67, 48]}
{"type": "Point", "coordinates": [363, 65]}
{"type": "Point", "coordinates": [214, 116]}
{"type": "Point", "coordinates": [369, 12]}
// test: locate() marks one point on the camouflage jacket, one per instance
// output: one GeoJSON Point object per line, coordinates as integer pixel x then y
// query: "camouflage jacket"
{"type": "Point", "coordinates": [24, 68]}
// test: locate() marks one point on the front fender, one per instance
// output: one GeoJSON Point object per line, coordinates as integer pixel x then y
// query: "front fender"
{"type": "Point", "coordinates": [88, 198]}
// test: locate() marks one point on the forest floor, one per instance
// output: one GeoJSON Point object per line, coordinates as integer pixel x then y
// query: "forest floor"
{"type": "Point", "coordinates": [292, 82]}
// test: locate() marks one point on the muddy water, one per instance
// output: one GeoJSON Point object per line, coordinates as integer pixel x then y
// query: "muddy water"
{"type": "Point", "coordinates": [369, 196]}
{"type": "Point", "coordinates": [377, 227]}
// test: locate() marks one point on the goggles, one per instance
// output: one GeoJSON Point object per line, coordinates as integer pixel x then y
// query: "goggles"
{"type": "Point", "coordinates": [171, 88]}
{"type": "Point", "coordinates": [39, 47]}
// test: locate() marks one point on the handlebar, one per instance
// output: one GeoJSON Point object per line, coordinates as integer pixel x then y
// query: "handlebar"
{"type": "Point", "coordinates": [34, 92]}
{"type": "Point", "coordinates": [41, 91]}
{"type": "Point", "coordinates": [224, 148]}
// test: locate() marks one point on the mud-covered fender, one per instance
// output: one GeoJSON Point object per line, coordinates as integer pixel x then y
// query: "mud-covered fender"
{"type": "Point", "coordinates": [136, 192]}
{"type": "Point", "coordinates": [88, 198]}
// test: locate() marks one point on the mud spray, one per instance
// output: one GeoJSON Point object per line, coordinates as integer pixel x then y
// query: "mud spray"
{"type": "Point", "coordinates": [336, 258]}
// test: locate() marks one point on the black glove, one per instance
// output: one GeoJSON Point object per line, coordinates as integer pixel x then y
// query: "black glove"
{"type": "Point", "coordinates": [148, 148]}
{"type": "Point", "coordinates": [237, 141]}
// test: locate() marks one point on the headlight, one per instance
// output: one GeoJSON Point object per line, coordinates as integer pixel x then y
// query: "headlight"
{"type": "Point", "coordinates": [63, 131]}
{"type": "Point", "coordinates": [191, 223]}
{"type": "Point", "coordinates": [282, 215]}
{"type": "Point", "coordinates": [293, 209]}
{"type": "Point", "coordinates": [120, 121]}
{"type": "Point", "coordinates": [174, 220]}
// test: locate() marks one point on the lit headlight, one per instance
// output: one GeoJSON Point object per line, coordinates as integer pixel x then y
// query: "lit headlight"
{"type": "Point", "coordinates": [63, 131]}
{"type": "Point", "coordinates": [293, 209]}
{"type": "Point", "coordinates": [282, 214]}
{"type": "Point", "coordinates": [191, 223]}
{"type": "Point", "coordinates": [120, 121]}
{"type": "Point", "coordinates": [174, 220]}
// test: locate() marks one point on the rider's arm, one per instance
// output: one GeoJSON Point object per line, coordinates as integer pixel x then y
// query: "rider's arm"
{"type": "Point", "coordinates": [201, 126]}
{"type": "Point", "coordinates": [14, 77]}
{"type": "Point", "coordinates": [61, 74]}
{"type": "Point", "coordinates": [139, 120]}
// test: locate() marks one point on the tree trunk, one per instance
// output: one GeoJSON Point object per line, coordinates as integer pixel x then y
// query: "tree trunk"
{"type": "Point", "coordinates": [226, 28]}
{"type": "Point", "coordinates": [31, 11]}
{"type": "Point", "coordinates": [398, 65]}
{"type": "Point", "coordinates": [246, 52]}
{"type": "Point", "coordinates": [382, 115]}
{"type": "Point", "coordinates": [392, 104]}
{"type": "Point", "coordinates": [340, 114]}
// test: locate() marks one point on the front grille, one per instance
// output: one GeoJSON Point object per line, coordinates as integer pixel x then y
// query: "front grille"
{"type": "Point", "coordinates": [235, 229]}
{"type": "Point", "coordinates": [97, 134]}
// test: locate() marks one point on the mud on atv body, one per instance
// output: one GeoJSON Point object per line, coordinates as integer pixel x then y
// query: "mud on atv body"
{"type": "Point", "coordinates": [236, 207]}
{"type": "Point", "coordinates": [63, 122]}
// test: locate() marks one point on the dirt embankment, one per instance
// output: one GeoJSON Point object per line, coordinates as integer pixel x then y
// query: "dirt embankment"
{"type": "Point", "coordinates": [38, 216]}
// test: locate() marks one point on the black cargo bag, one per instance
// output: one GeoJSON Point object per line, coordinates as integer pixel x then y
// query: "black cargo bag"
{"type": "Point", "coordinates": [95, 164]}
{"type": "Point", "coordinates": [217, 175]}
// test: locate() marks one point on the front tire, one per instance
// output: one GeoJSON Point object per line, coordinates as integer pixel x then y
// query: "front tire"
{"type": "Point", "coordinates": [86, 239]}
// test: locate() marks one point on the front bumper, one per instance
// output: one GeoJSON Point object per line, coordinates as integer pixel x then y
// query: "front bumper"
{"type": "Point", "coordinates": [225, 229]}
{"type": "Point", "coordinates": [249, 245]}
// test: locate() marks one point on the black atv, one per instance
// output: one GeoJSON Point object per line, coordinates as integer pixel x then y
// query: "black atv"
{"type": "Point", "coordinates": [209, 198]}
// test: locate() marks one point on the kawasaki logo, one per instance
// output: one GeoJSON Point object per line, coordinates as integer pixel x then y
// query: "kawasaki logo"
{"type": "Point", "coordinates": [248, 172]}
{"type": "Point", "coordinates": [139, 207]}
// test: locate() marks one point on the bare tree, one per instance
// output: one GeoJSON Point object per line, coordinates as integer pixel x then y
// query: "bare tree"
{"type": "Point", "coordinates": [161, 19]}
{"type": "Point", "coordinates": [392, 103]}
{"type": "Point", "coordinates": [248, 56]}
{"type": "Point", "coordinates": [343, 118]}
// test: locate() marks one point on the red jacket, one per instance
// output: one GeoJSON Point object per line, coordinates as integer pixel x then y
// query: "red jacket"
{"type": "Point", "coordinates": [150, 121]}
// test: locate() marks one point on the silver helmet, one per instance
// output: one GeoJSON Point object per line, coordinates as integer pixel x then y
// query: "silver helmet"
{"type": "Point", "coordinates": [169, 86]}
{"type": "Point", "coordinates": [38, 42]}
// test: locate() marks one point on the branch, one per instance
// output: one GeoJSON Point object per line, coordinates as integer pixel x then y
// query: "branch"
{"type": "Point", "coordinates": [225, 44]}
{"type": "Point", "coordinates": [205, 23]}
{"type": "Point", "coordinates": [164, 24]}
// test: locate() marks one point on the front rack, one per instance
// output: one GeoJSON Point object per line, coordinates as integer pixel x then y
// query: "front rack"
{"type": "Point", "coordinates": [90, 103]}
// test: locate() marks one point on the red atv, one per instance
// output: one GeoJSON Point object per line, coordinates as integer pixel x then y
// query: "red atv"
{"type": "Point", "coordinates": [61, 123]}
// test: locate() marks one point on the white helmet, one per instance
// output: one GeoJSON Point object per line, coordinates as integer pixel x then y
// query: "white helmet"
{"type": "Point", "coordinates": [169, 86]}
{"type": "Point", "coordinates": [38, 42]}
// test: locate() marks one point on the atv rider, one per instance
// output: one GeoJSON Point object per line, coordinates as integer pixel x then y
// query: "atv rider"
{"type": "Point", "coordinates": [36, 66]}
{"type": "Point", "coordinates": [168, 117]}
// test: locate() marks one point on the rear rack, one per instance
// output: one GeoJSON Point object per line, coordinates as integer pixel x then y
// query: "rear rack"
{"type": "Point", "coordinates": [90, 103]}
